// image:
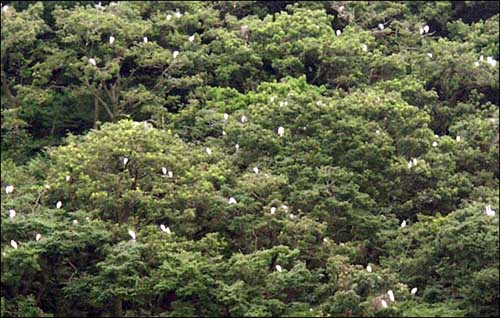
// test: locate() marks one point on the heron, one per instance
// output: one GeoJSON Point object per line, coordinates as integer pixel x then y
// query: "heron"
{"type": "Point", "coordinates": [384, 303]}
{"type": "Point", "coordinates": [237, 146]}
{"type": "Point", "coordinates": [226, 116]}
{"type": "Point", "coordinates": [9, 189]}
{"type": "Point", "coordinates": [403, 224]}
{"type": "Point", "coordinates": [170, 174]}
{"type": "Point", "coordinates": [489, 211]}
{"type": "Point", "coordinates": [434, 144]}
{"type": "Point", "coordinates": [132, 234]}
{"type": "Point", "coordinates": [191, 38]}
{"type": "Point", "coordinates": [391, 295]}
{"type": "Point", "coordinates": [58, 204]}
{"type": "Point", "coordinates": [325, 240]}
{"type": "Point", "coordinates": [232, 200]}
{"type": "Point", "coordinates": [13, 244]}
{"type": "Point", "coordinates": [111, 39]}
{"type": "Point", "coordinates": [458, 138]}
{"type": "Point", "coordinates": [175, 54]}
{"type": "Point", "coordinates": [92, 61]}
{"type": "Point", "coordinates": [414, 290]}
{"type": "Point", "coordinates": [68, 178]}
{"type": "Point", "coordinates": [278, 268]}
{"type": "Point", "coordinates": [256, 170]}
{"type": "Point", "coordinates": [368, 268]}
{"type": "Point", "coordinates": [273, 210]}
{"type": "Point", "coordinates": [429, 55]}
{"type": "Point", "coordinates": [38, 236]}
{"type": "Point", "coordinates": [338, 32]}
{"type": "Point", "coordinates": [12, 213]}
{"type": "Point", "coordinates": [208, 150]}
{"type": "Point", "coordinates": [165, 229]}
{"type": "Point", "coordinates": [381, 26]}
{"type": "Point", "coordinates": [125, 160]}
{"type": "Point", "coordinates": [244, 119]}
{"type": "Point", "coordinates": [364, 47]}
{"type": "Point", "coordinates": [426, 28]}
{"type": "Point", "coordinates": [281, 131]}
{"type": "Point", "coordinates": [164, 170]}
{"type": "Point", "coordinates": [178, 14]}
{"type": "Point", "coordinates": [75, 222]}
{"type": "Point", "coordinates": [169, 17]}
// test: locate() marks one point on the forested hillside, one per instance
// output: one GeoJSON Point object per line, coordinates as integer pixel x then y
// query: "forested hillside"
{"type": "Point", "coordinates": [250, 158]}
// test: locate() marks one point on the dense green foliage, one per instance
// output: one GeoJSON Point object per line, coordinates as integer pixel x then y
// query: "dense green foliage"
{"type": "Point", "coordinates": [273, 158]}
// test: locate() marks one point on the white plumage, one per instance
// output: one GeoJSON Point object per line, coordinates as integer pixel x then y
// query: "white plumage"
{"type": "Point", "coordinates": [391, 295]}
{"type": "Point", "coordinates": [38, 236]}
{"type": "Point", "coordinates": [414, 290]}
{"type": "Point", "coordinates": [92, 61]}
{"type": "Point", "coordinates": [273, 210]}
{"type": "Point", "coordinates": [191, 38]}
{"type": "Point", "coordinates": [111, 39]}
{"type": "Point", "coordinates": [278, 268]}
{"type": "Point", "coordinates": [164, 170]}
{"type": "Point", "coordinates": [12, 213]}
{"type": "Point", "coordinates": [132, 234]}
{"type": "Point", "coordinates": [208, 150]}
{"type": "Point", "coordinates": [338, 32]}
{"type": "Point", "coordinates": [489, 211]}
{"type": "Point", "coordinates": [9, 189]}
{"type": "Point", "coordinates": [13, 244]}
{"type": "Point", "coordinates": [58, 204]}
{"type": "Point", "coordinates": [244, 119]}
{"type": "Point", "coordinates": [381, 26]}
{"type": "Point", "coordinates": [281, 131]}
{"type": "Point", "coordinates": [145, 39]}
{"type": "Point", "coordinates": [256, 169]}
{"type": "Point", "coordinates": [368, 268]}
{"type": "Point", "coordinates": [232, 200]}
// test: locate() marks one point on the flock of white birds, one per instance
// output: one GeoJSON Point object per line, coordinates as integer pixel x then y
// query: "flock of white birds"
{"type": "Point", "coordinates": [281, 132]}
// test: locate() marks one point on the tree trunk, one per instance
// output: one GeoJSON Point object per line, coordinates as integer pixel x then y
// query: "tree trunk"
{"type": "Point", "coordinates": [117, 307]}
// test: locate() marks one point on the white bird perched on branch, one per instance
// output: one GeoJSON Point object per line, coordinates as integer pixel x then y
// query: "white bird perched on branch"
{"type": "Point", "coordinates": [364, 47]}
{"type": "Point", "coordinates": [164, 170]}
{"type": "Point", "coordinates": [489, 211]}
{"type": "Point", "coordinates": [67, 178]}
{"type": "Point", "coordinates": [165, 229]}
{"type": "Point", "coordinates": [208, 150]}
{"type": "Point", "coordinates": [92, 61]}
{"type": "Point", "coordinates": [38, 237]}
{"type": "Point", "coordinates": [273, 210]}
{"type": "Point", "coordinates": [434, 144]}
{"type": "Point", "coordinates": [232, 200]}
{"type": "Point", "coordinates": [111, 39]}
{"type": "Point", "coordinates": [244, 119]}
{"type": "Point", "coordinates": [391, 295]}
{"type": "Point", "coordinates": [58, 204]}
{"type": "Point", "coordinates": [170, 174]}
{"type": "Point", "coordinates": [191, 38]}
{"type": "Point", "coordinates": [13, 244]}
{"type": "Point", "coordinates": [5, 8]}
{"type": "Point", "coordinates": [384, 303]}
{"type": "Point", "coordinates": [281, 131]}
{"type": "Point", "coordinates": [403, 224]}
{"type": "Point", "coordinates": [9, 189]}
{"type": "Point", "coordinates": [278, 268]}
{"type": "Point", "coordinates": [125, 160]}
{"type": "Point", "coordinates": [226, 116]}
{"type": "Point", "coordinates": [145, 39]}
{"type": "Point", "coordinates": [175, 54]}
{"type": "Point", "coordinates": [426, 29]}
{"type": "Point", "coordinates": [256, 170]}
{"type": "Point", "coordinates": [381, 26]}
{"type": "Point", "coordinates": [12, 213]}
{"type": "Point", "coordinates": [368, 268]}
{"type": "Point", "coordinates": [414, 290]}
{"type": "Point", "coordinates": [132, 234]}
{"type": "Point", "coordinates": [237, 146]}
{"type": "Point", "coordinates": [338, 32]}
{"type": "Point", "coordinates": [178, 14]}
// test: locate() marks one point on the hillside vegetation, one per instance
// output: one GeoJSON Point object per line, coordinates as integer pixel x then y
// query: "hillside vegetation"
{"type": "Point", "coordinates": [250, 158]}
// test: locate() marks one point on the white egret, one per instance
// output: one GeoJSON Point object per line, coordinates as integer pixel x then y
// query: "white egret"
{"type": "Point", "coordinates": [426, 28]}
{"type": "Point", "coordinates": [67, 178]}
{"type": "Point", "coordinates": [12, 213]}
{"type": "Point", "coordinates": [273, 210]}
{"type": "Point", "coordinates": [414, 161]}
{"type": "Point", "coordinates": [368, 268]}
{"type": "Point", "coordinates": [292, 216]}
{"type": "Point", "coordinates": [13, 244]}
{"type": "Point", "coordinates": [381, 26]}
{"type": "Point", "coordinates": [429, 55]}
{"type": "Point", "coordinates": [237, 146]}
{"type": "Point", "coordinates": [476, 63]}
{"type": "Point", "coordinates": [256, 170]}
{"type": "Point", "coordinates": [5, 8]}
{"type": "Point", "coordinates": [92, 61]}
{"type": "Point", "coordinates": [132, 234]}
{"type": "Point", "coordinates": [491, 61]}
{"type": "Point", "coordinates": [281, 131]}
{"type": "Point", "coordinates": [421, 31]}
{"type": "Point", "coordinates": [125, 160]}
{"type": "Point", "coordinates": [38, 236]}
{"type": "Point", "coordinates": [170, 174]}
{"type": "Point", "coordinates": [272, 99]}
{"type": "Point", "coordinates": [338, 32]}
{"type": "Point", "coordinates": [145, 39]}
{"type": "Point", "coordinates": [164, 170]}
{"type": "Point", "coordinates": [364, 47]}
{"type": "Point", "coordinates": [284, 207]}
{"type": "Point", "coordinates": [226, 116]}
{"type": "Point", "coordinates": [191, 38]}
{"type": "Point", "coordinates": [391, 295]}
{"type": "Point", "coordinates": [414, 290]}
{"type": "Point", "coordinates": [223, 133]}
{"type": "Point", "coordinates": [244, 119]}
{"type": "Point", "coordinates": [458, 138]}
{"type": "Point", "coordinates": [9, 189]}
{"type": "Point", "coordinates": [377, 132]}
{"type": "Point", "coordinates": [178, 14]}
{"type": "Point", "coordinates": [175, 54]}
{"type": "Point", "coordinates": [278, 268]}
{"type": "Point", "coordinates": [232, 200]}
{"type": "Point", "coordinates": [99, 6]}
{"type": "Point", "coordinates": [403, 224]}
{"type": "Point", "coordinates": [87, 219]}
{"type": "Point", "coordinates": [208, 150]}
{"type": "Point", "coordinates": [111, 39]}
{"type": "Point", "coordinates": [325, 240]}
{"type": "Point", "coordinates": [169, 16]}
{"type": "Point", "coordinates": [489, 211]}
{"type": "Point", "coordinates": [434, 144]}
{"type": "Point", "coordinates": [58, 204]}
{"type": "Point", "coordinates": [165, 229]}
{"type": "Point", "coordinates": [75, 222]}
{"type": "Point", "coordinates": [384, 303]}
